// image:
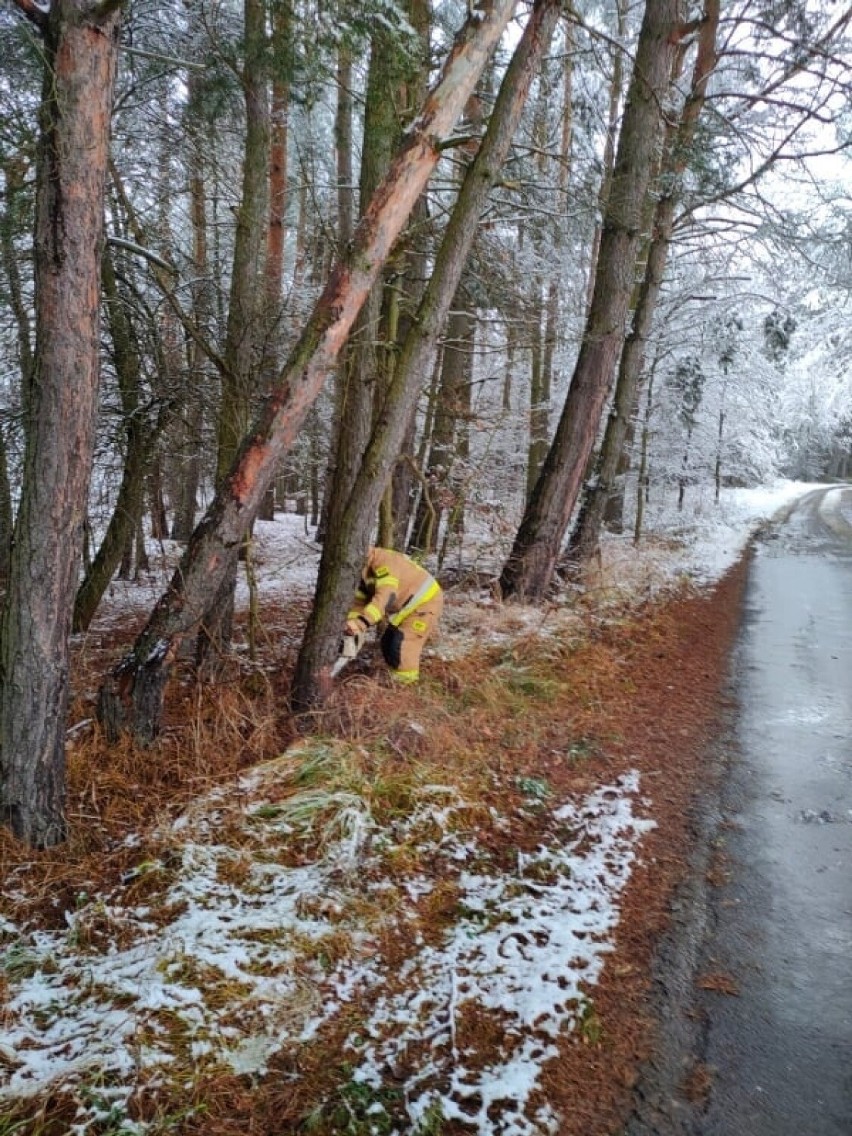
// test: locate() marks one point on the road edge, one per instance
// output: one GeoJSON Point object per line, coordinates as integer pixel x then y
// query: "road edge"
{"type": "Point", "coordinates": [667, 1096]}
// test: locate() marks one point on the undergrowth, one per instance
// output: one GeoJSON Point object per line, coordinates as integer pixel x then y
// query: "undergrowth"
{"type": "Point", "coordinates": [499, 730]}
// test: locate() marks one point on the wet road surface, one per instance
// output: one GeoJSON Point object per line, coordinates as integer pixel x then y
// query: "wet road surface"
{"type": "Point", "coordinates": [775, 968]}
{"type": "Point", "coordinates": [753, 985]}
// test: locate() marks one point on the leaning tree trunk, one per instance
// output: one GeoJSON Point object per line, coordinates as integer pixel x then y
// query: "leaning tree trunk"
{"type": "Point", "coordinates": [80, 51]}
{"type": "Point", "coordinates": [343, 558]}
{"type": "Point", "coordinates": [529, 569]}
{"type": "Point", "coordinates": [132, 696]}
{"type": "Point", "coordinates": [585, 538]}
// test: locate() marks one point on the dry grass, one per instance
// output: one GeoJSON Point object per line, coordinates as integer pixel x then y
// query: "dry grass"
{"type": "Point", "coordinates": [503, 728]}
{"type": "Point", "coordinates": [492, 711]}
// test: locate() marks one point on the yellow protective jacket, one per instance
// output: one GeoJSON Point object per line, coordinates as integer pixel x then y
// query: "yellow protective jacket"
{"type": "Point", "coordinates": [391, 587]}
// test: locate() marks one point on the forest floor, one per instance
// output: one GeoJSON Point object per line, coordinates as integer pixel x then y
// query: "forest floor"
{"type": "Point", "coordinates": [516, 712]}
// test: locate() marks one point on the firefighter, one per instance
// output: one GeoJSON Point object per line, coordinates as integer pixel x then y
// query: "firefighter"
{"type": "Point", "coordinates": [396, 591]}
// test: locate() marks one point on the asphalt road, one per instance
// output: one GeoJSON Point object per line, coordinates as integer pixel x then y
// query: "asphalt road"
{"type": "Point", "coordinates": [759, 981]}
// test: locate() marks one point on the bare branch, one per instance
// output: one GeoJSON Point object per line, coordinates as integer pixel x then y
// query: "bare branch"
{"type": "Point", "coordinates": [145, 253]}
{"type": "Point", "coordinates": [158, 57]}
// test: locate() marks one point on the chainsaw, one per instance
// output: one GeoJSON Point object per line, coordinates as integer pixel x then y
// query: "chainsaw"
{"type": "Point", "coordinates": [349, 650]}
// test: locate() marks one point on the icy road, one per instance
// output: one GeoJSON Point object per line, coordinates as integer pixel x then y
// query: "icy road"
{"type": "Point", "coordinates": [760, 1041]}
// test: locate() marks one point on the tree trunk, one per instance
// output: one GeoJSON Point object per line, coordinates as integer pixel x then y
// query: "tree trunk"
{"type": "Point", "coordinates": [11, 220]}
{"type": "Point", "coordinates": [401, 490]}
{"type": "Point", "coordinates": [643, 478]}
{"type": "Point", "coordinates": [539, 303]}
{"type": "Point", "coordinates": [132, 695]}
{"type": "Point", "coordinates": [156, 500]}
{"type": "Point", "coordinates": [465, 328]}
{"type": "Point", "coordinates": [245, 306]}
{"type": "Point", "coordinates": [615, 93]}
{"type": "Point", "coordinates": [343, 559]}
{"type": "Point", "coordinates": [720, 440]}
{"type": "Point", "coordinates": [279, 115]}
{"type": "Point", "coordinates": [7, 518]}
{"type": "Point", "coordinates": [14, 173]}
{"type": "Point", "coordinates": [203, 309]}
{"type": "Point", "coordinates": [585, 538]}
{"type": "Point", "coordinates": [282, 35]}
{"type": "Point", "coordinates": [529, 570]}
{"type": "Point", "coordinates": [80, 51]}
{"type": "Point", "coordinates": [345, 214]}
{"type": "Point", "coordinates": [452, 401]}
{"type": "Point", "coordinates": [139, 441]}
{"type": "Point", "coordinates": [392, 75]}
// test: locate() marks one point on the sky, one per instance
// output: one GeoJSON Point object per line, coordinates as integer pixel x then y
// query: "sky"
{"type": "Point", "coordinates": [88, 1006]}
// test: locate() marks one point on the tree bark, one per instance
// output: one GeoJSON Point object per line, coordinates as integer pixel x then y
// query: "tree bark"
{"type": "Point", "coordinates": [246, 306]}
{"type": "Point", "coordinates": [11, 221]}
{"type": "Point", "coordinates": [616, 89]}
{"type": "Point", "coordinates": [244, 301]}
{"type": "Point", "coordinates": [345, 215]}
{"type": "Point", "coordinates": [539, 302]}
{"type": "Point", "coordinates": [140, 438]}
{"type": "Point", "coordinates": [529, 569]}
{"type": "Point", "coordinates": [14, 172]}
{"type": "Point", "coordinates": [343, 559]}
{"type": "Point", "coordinates": [80, 63]}
{"type": "Point", "coordinates": [132, 695]}
{"type": "Point", "coordinates": [282, 40]}
{"type": "Point", "coordinates": [391, 95]}
{"type": "Point", "coordinates": [643, 478]}
{"type": "Point", "coordinates": [203, 308]}
{"type": "Point", "coordinates": [585, 538]}
{"type": "Point", "coordinates": [452, 402]}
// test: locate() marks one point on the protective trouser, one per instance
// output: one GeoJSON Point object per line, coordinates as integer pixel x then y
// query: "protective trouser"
{"type": "Point", "coordinates": [403, 641]}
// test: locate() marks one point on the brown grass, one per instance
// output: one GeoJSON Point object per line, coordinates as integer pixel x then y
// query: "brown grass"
{"type": "Point", "coordinates": [552, 711]}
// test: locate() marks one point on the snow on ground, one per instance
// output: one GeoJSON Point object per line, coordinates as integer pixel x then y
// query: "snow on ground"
{"type": "Point", "coordinates": [698, 544]}
{"type": "Point", "coordinates": [94, 1012]}
{"type": "Point", "coordinates": [95, 1006]}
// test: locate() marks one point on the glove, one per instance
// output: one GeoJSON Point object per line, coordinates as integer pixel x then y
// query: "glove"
{"type": "Point", "coordinates": [354, 627]}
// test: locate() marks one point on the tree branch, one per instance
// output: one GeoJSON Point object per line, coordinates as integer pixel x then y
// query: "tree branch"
{"type": "Point", "coordinates": [145, 253]}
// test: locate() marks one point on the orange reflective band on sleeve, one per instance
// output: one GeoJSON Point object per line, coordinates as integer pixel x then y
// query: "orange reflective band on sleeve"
{"type": "Point", "coordinates": [385, 580]}
{"type": "Point", "coordinates": [405, 677]}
